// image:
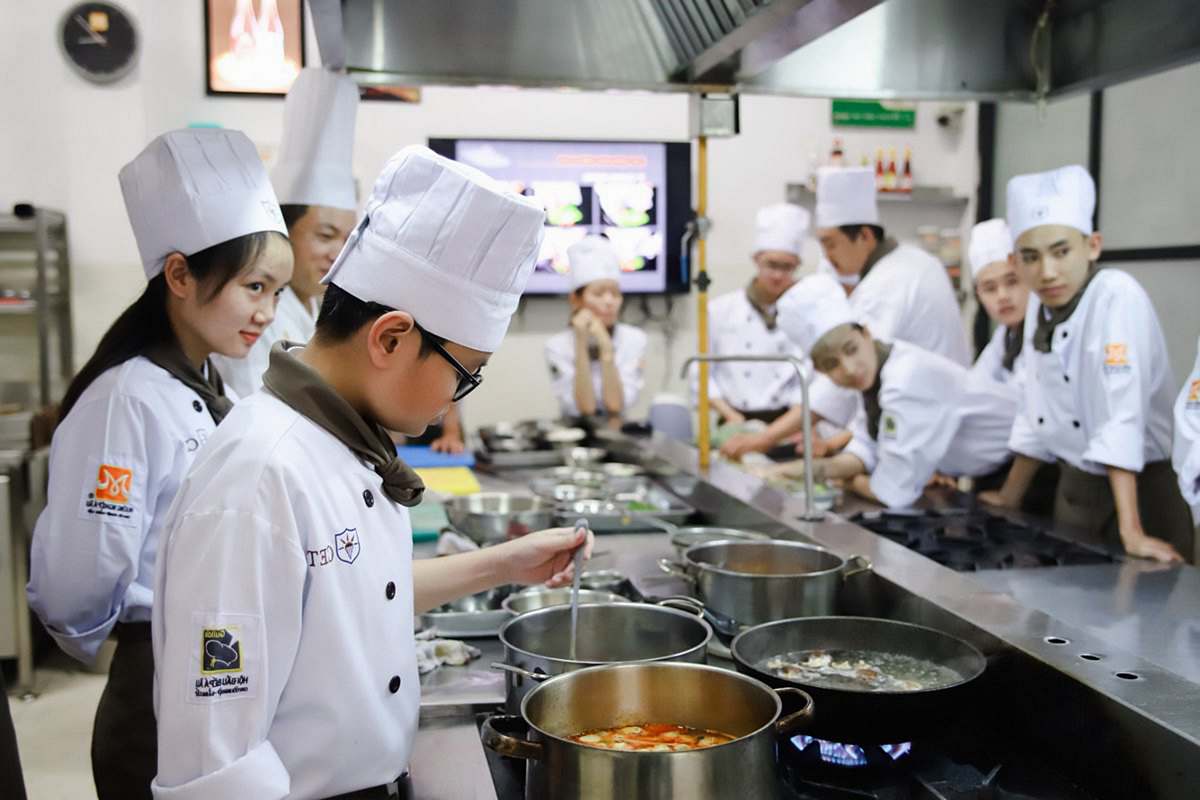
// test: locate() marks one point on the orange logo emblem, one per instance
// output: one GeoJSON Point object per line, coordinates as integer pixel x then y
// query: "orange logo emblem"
{"type": "Point", "coordinates": [1194, 392]}
{"type": "Point", "coordinates": [1115, 355]}
{"type": "Point", "coordinates": [113, 484]}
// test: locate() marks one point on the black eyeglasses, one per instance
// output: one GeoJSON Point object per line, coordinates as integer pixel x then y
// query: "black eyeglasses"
{"type": "Point", "coordinates": [467, 381]}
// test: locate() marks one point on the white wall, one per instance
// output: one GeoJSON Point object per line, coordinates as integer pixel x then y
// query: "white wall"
{"type": "Point", "coordinates": [64, 141]}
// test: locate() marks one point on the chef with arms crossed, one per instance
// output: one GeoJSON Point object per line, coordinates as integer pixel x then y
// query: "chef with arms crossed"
{"type": "Point", "coordinates": [283, 634]}
{"type": "Point", "coordinates": [1096, 386]}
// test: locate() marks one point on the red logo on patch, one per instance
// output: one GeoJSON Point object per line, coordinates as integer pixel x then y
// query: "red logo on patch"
{"type": "Point", "coordinates": [114, 484]}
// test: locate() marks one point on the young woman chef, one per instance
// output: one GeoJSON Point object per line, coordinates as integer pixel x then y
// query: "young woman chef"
{"type": "Point", "coordinates": [919, 412]}
{"type": "Point", "coordinates": [744, 322]}
{"type": "Point", "coordinates": [213, 246]}
{"type": "Point", "coordinates": [596, 364]}
{"type": "Point", "coordinates": [283, 630]}
{"type": "Point", "coordinates": [902, 292]}
{"type": "Point", "coordinates": [1004, 296]}
{"type": "Point", "coordinates": [1186, 455]}
{"type": "Point", "coordinates": [1097, 387]}
{"type": "Point", "coordinates": [314, 181]}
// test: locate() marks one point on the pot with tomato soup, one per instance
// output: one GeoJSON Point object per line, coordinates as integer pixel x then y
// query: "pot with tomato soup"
{"type": "Point", "coordinates": [654, 731]}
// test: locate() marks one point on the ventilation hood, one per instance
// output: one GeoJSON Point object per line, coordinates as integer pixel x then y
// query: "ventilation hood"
{"type": "Point", "coordinates": [905, 49]}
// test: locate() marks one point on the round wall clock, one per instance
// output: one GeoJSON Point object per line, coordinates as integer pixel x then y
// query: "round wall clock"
{"type": "Point", "coordinates": [99, 41]}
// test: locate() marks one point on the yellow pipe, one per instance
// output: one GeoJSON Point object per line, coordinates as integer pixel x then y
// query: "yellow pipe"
{"type": "Point", "coordinates": [702, 300]}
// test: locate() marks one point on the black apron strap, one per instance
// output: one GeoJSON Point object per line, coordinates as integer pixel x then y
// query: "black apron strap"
{"type": "Point", "coordinates": [399, 789]}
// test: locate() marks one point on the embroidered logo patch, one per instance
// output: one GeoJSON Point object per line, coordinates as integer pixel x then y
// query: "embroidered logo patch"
{"type": "Point", "coordinates": [347, 545]}
{"type": "Point", "coordinates": [224, 666]}
{"type": "Point", "coordinates": [1193, 396]}
{"type": "Point", "coordinates": [1116, 359]}
{"type": "Point", "coordinates": [113, 484]}
{"type": "Point", "coordinates": [887, 426]}
{"type": "Point", "coordinates": [220, 652]}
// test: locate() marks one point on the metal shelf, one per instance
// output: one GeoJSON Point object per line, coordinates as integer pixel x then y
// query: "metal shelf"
{"type": "Point", "coordinates": [925, 196]}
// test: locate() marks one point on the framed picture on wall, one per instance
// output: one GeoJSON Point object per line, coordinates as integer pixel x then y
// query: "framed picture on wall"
{"type": "Point", "coordinates": [253, 47]}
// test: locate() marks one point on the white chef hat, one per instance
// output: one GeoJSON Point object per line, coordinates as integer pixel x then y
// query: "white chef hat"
{"type": "Point", "coordinates": [591, 259]}
{"type": "Point", "coordinates": [990, 242]}
{"type": "Point", "coordinates": [846, 196]}
{"type": "Point", "coordinates": [781, 227]}
{"type": "Point", "coordinates": [812, 308]}
{"type": "Point", "coordinates": [445, 243]}
{"type": "Point", "coordinates": [191, 189]}
{"type": "Point", "coordinates": [315, 154]}
{"type": "Point", "coordinates": [1063, 196]}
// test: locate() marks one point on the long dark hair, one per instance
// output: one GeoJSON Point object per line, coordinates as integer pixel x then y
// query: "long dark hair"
{"type": "Point", "coordinates": [145, 323]}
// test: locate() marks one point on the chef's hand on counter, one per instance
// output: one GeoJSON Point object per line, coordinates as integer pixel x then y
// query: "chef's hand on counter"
{"type": "Point", "coordinates": [1129, 520]}
{"type": "Point", "coordinates": [1156, 549]}
{"type": "Point", "coordinates": [740, 444]}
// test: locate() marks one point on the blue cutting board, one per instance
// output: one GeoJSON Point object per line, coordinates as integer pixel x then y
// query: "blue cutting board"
{"type": "Point", "coordinates": [420, 456]}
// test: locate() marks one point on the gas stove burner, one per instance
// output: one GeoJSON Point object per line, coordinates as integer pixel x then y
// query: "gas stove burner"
{"type": "Point", "coordinates": [852, 755]}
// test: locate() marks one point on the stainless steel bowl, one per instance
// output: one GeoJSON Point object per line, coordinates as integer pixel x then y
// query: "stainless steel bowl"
{"type": "Point", "coordinates": [684, 538]}
{"type": "Point", "coordinates": [605, 580]}
{"type": "Point", "coordinates": [583, 456]}
{"type": "Point", "coordinates": [542, 596]}
{"type": "Point", "coordinates": [619, 470]}
{"type": "Point", "coordinates": [563, 436]}
{"type": "Point", "coordinates": [490, 517]}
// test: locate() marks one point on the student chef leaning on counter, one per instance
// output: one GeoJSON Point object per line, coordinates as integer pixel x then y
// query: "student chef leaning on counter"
{"type": "Point", "coordinates": [1186, 455]}
{"type": "Point", "coordinates": [918, 412]}
{"type": "Point", "coordinates": [745, 322]}
{"type": "Point", "coordinates": [1097, 387]}
{"type": "Point", "coordinates": [283, 634]}
{"type": "Point", "coordinates": [901, 292]}
{"type": "Point", "coordinates": [596, 365]}
{"type": "Point", "coordinates": [212, 244]}
{"type": "Point", "coordinates": [1004, 296]}
{"type": "Point", "coordinates": [314, 182]}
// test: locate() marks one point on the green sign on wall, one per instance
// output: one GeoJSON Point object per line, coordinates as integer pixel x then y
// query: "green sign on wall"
{"type": "Point", "coordinates": [874, 114]}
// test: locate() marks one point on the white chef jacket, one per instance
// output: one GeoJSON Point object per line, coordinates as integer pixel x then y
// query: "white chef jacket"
{"type": "Point", "coordinates": [1103, 394]}
{"type": "Point", "coordinates": [629, 354]}
{"type": "Point", "coordinates": [937, 416]}
{"type": "Point", "coordinates": [906, 296]}
{"type": "Point", "coordinates": [736, 328]}
{"type": "Point", "coordinates": [283, 631]}
{"type": "Point", "coordinates": [1186, 454]}
{"type": "Point", "coordinates": [293, 322]}
{"type": "Point", "coordinates": [116, 462]}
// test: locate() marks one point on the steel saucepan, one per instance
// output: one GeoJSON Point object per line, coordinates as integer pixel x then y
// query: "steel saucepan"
{"type": "Point", "coordinates": [757, 582]}
{"type": "Point", "coordinates": [542, 596]}
{"type": "Point", "coordinates": [683, 538]}
{"type": "Point", "coordinates": [490, 517]}
{"type": "Point", "coordinates": [538, 642]}
{"type": "Point", "coordinates": [867, 717]}
{"type": "Point", "coordinates": [608, 696]}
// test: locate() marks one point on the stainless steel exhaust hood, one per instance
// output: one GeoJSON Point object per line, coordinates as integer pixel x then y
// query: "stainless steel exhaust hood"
{"type": "Point", "coordinates": [912, 49]}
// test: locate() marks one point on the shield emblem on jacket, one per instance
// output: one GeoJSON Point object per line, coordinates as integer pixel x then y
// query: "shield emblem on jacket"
{"type": "Point", "coordinates": [346, 545]}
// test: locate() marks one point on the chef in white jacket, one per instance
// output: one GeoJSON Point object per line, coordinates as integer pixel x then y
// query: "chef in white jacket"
{"type": "Point", "coordinates": [314, 182]}
{"type": "Point", "coordinates": [1004, 295]}
{"type": "Point", "coordinates": [1097, 388]}
{"type": "Point", "coordinates": [597, 365]}
{"type": "Point", "coordinates": [213, 249]}
{"type": "Point", "coordinates": [901, 292]}
{"type": "Point", "coordinates": [917, 412]}
{"type": "Point", "coordinates": [1186, 455]}
{"type": "Point", "coordinates": [745, 322]}
{"type": "Point", "coordinates": [283, 635]}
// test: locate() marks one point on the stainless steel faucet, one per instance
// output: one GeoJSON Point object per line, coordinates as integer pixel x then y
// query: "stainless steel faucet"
{"type": "Point", "coordinates": [810, 512]}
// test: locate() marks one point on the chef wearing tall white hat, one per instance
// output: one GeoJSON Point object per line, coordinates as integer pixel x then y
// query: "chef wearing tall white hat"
{"type": "Point", "coordinates": [596, 365]}
{"type": "Point", "coordinates": [215, 255]}
{"type": "Point", "coordinates": [1004, 295]}
{"type": "Point", "coordinates": [283, 635]}
{"type": "Point", "coordinates": [745, 322]}
{"type": "Point", "coordinates": [917, 412]}
{"type": "Point", "coordinates": [1186, 455]}
{"type": "Point", "coordinates": [901, 292]}
{"type": "Point", "coordinates": [1097, 387]}
{"type": "Point", "coordinates": [314, 182]}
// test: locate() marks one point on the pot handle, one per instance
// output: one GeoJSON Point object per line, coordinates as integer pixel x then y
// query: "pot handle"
{"type": "Point", "coordinates": [683, 603]}
{"type": "Point", "coordinates": [536, 677]}
{"type": "Point", "coordinates": [860, 564]}
{"type": "Point", "coordinates": [671, 568]}
{"type": "Point", "coordinates": [786, 726]}
{"type": "Point", "coordinates": [505, 744]}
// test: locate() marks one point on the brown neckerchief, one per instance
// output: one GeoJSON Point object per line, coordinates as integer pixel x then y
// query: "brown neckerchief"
{"type": "Point", "coordinates": [884, 248]}
{"type": "Point", "coordinates": [1049, 318]}
{"type": "Point", "coordinates": [1014, 340]}
{"type": "Point", "coordinates": [871, 395]}
{"type": "Point", "coordinates": [302, 387]}
{"type": "Point", "coordinates": [211, 389]}
{"type": "Point", "coordinates": [765, 308]}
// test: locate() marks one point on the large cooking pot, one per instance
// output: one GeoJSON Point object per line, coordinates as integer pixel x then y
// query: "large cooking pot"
{"type": "Point", "coordinates": [626, 694]}
{"type": "Point", "coordinates": [692, 535]}
{"type": "Point", "coordinates": [490, 517]}
{"type": "Point", "coordinates": [866, 717]}
{"type": "Point", "coordinates": [537, 597]}
{"type": "Point", "coordinates": [757, 582]}
{"type": "Point", "coordinates": [537, 644]}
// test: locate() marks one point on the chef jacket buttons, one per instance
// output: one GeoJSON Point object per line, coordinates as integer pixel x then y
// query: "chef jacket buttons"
{"type": "Point", "coordinates": [1067, 378]}
{"type": "Point", "coordinates": [394, 684]}
{"type": "Point", "coordinates": [1064, 334]}
{"type": "Point", "coordinates": [1075, 422]}
{"type": "Point", "coordinates": [390, 590]}
{"type": "Point", "coordinates": [196, 406]}
{"type": "Point", "coordinates": [1041, 420]}
{"type": "Point", "coordinates": [368, 498]}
